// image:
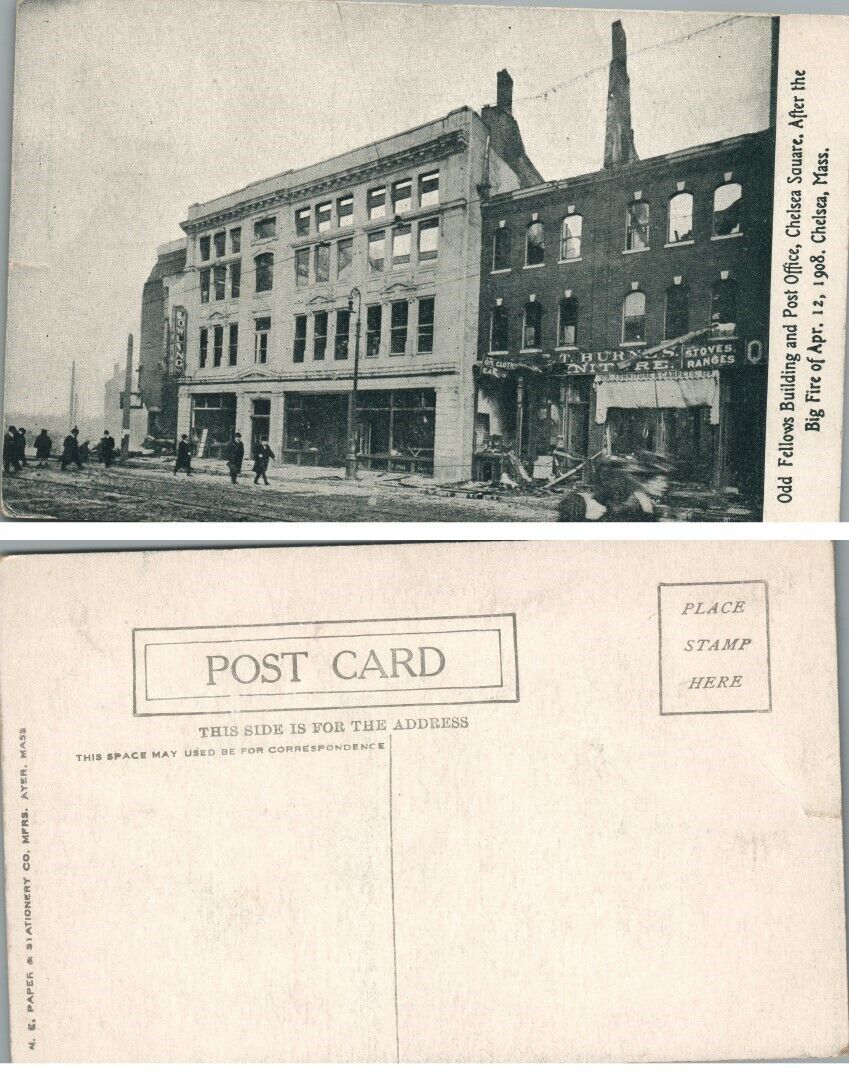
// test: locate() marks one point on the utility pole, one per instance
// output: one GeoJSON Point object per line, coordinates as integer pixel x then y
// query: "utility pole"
{"type": "Point", "coordinates": [351, 457]}
{"type": "Point", "coordinates": [72, 402]}
{"type": "Point", "coordinates": [128, 389]}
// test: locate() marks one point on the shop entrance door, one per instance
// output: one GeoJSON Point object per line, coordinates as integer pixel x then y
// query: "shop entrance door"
{"type": "Point", "coordinates": [260, 421]}
{"type": "Point", "coordinates": [675, 433]}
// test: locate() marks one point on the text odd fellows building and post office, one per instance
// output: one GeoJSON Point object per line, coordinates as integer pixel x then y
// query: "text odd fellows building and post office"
{"type": "Point", "coordinates": [621, 309]}
{"type": "Point", "coordinates": [628, 308]}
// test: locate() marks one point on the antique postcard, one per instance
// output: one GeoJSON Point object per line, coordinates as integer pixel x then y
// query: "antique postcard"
{"type": "Point", "coordinates": [445, 802]}
{"type": "Point", "coordinates": [314, 261]}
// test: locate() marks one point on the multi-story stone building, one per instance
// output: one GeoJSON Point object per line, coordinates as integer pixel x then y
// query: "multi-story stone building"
{"type": "Point", "coordinates": [278, 273]}
{"type": "Point", "coordinates": [628, 308]}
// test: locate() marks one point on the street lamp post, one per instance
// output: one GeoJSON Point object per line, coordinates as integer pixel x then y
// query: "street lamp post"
{"type": "Point", "coordinates": [351, 456]}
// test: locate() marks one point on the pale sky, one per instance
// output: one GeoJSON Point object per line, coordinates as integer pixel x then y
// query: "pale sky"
{"type": "Point", "coordinates": [127, 111]}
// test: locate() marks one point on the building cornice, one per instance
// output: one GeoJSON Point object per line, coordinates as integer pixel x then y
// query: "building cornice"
{"type": "Point", "coordinates": [444, 145]}
{"type": "Point", "coordinates": [212, 386]}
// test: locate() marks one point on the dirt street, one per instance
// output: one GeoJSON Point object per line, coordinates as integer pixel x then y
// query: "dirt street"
{"type": "Point", "coordinates": [149, 491]}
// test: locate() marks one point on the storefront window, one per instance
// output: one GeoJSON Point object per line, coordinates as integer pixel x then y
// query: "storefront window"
{"type": "Point", "coordinates": [215, 414]}
{"type": "Point", "coordinates": [397, 427]}
{"type": "Point", "coordinates": [634, 317]}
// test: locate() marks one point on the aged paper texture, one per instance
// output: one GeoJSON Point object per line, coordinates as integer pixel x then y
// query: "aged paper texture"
{"type": "Point", "coordinates": [564, 265]}
{"type": "Point", "coordinates": [454, 802]}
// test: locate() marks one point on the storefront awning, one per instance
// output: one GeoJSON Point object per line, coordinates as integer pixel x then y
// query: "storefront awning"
{"type": "Point", "coordinates": [647, 393]}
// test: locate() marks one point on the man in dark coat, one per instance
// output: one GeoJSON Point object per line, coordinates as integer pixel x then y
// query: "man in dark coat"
{"type": "Point", "coordinates": [235, 456]}
{"type": "Point", "coordinates": [71, 450]}
{"type": "Point", "coordinates": [21, 447]}
{"type": "Point", "coordinates": [184, 456]}
{"type": "Point", "coordinates": [43, 445]}
{"type": "Point", "coordinates": [262, 455]}
{"type": "Point", "coordinates": [107, 449]}
{"type": "Point", "coordinates": [9, 461]}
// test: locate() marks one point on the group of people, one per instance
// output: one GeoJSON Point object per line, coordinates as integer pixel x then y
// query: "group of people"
{"type": "Point", "coordinates": [73, 451]}
{"type": "Point", "coordinates": [263, 454]}
{"type": "Point", "coordinates": [76, 453]}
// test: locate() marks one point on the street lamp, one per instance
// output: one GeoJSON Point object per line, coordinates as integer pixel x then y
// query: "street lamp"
{"type": "Point", "coordinates": [351, 457]}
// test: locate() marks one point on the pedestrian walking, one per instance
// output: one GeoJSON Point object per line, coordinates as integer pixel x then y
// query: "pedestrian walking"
{"type": "Point", "coordinates": [235, 456]}
{"type": "Point", "coordinates": [184, 456]}
{"type": "Point", "coordinates": [107, 449]}
{"type": "Point", "coordinates": [71, 450]}
{"type": "Point", "coordinates": [43, 445]}
{"type": "Point", "coordinates": [21, 447]}
{"type": "Point", "coordinates": [9, 460]}
{"type": "Point", "coordinates": [262, 455]}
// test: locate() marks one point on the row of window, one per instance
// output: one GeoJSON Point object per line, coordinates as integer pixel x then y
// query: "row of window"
{"type": "Point", "coordinates": [224, 280]}
{"type": "Point", "coordinates": [723, 318]}
{"type": "Point", "coordinates": [727, 204]}
{"type": "Point", "coordinates": [339, 213]}
{"type": "Point", "coordinates": [213, 340]}
{"type": "Point", "coordinates": [314, 263]}
{"type": "Point", "coordinates": [215, 245]}
{"type": "Point", "coordinates": [399, 321]}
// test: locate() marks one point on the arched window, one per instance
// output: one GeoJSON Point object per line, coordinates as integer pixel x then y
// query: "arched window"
{"type": "Point", "coordinates": [567, 323]}
{"type": "Point", "coordinates": [535, 245]}
{"type": "Point", "coordinates": [570, 237]}
{"type": "Point", "coordinates": [634, 317]}
{"type": "Point", "coordinates": [637, 226]}
{"type": "Point", "coordinates": [723, 308]}
{"type": "Point", "coordinates": [532, 330]}
{"type": "Point", "coordinates": [264, 269]}
{"type": "Point", "coordinates": [677, 318]}
{"type": "Point", "coordinates": [680, 218]}
{"type": "Point", "coordinates": [727, 203]}
{"type": "Point", "coordinates": [501, 248]}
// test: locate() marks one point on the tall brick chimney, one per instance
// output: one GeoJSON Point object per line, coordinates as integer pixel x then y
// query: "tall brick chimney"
{"type": "Point", "coordinates": [504, 91]}
{"type": "Point", "coordinates": [619, 146]}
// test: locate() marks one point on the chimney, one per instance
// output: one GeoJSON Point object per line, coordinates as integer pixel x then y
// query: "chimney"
{"type": "Point", "coordinates": [504, 95]}
{"type": "Point", "coordinates": [619, 146]}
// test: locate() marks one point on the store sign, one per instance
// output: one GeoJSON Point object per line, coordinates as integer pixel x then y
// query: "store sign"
{"type": "Point", "coordinates": [686, 356]}
{"type": "Point", "coordinates": [180, 330]}
{"type": "Point", "coordinates": [500, 367]}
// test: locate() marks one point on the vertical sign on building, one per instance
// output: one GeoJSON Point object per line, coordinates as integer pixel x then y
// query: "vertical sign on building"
{"type": "Point", "coordinates": [179, 343]}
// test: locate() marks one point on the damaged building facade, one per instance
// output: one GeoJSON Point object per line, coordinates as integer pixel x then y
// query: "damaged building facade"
{"type": "Point", "coordinates": [279, 273]}
{"type": "Point", "coordinates": [627, 309]}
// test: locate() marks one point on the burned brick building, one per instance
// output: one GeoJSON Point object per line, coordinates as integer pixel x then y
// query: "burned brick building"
{"type": "Point", "coordinates": [627, 309]}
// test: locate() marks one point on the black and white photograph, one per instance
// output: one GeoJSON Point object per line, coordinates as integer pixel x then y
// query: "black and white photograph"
{"type": "Point", "coordinates": [281, 262]}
